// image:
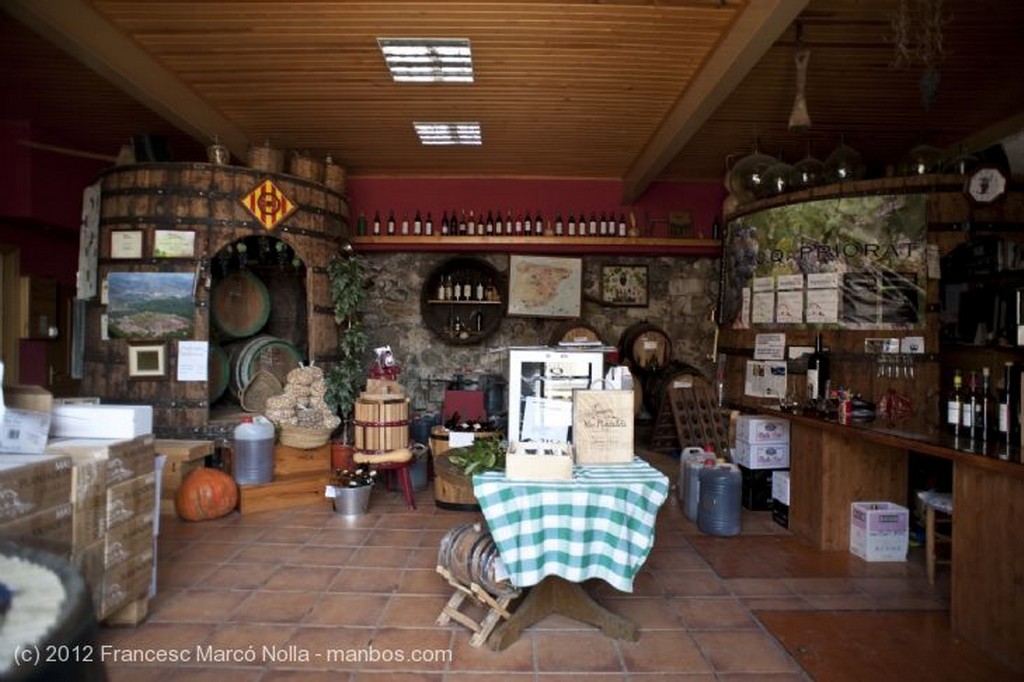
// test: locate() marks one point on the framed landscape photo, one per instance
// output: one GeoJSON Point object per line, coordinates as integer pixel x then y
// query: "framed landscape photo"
{"type": "Point", "coordinates": [624, 285]}
{"type": "Point", "coordinates": [540, 286]}
{"type": "Point", "coordinates": [174, 243]}
{"type": "Point", "coordinates": [147, 360]}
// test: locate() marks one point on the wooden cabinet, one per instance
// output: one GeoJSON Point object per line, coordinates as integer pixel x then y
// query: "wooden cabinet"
{"type": "Point", "coordinates": [463, 301]}
{"type": "Point", "coordinates": [38, 308]}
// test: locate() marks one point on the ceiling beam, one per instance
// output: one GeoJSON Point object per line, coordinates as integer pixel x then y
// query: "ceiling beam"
{"type": "Point", "coordinates": [751, 36]}
{"type": "Point", "coordinates": [75, 27]}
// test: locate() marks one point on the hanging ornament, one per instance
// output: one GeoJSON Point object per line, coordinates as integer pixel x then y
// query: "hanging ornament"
{"type": "Point", "coordinates": [923, 160]}
{"type": "Point", "coordinates": [808, 171]}
{"type": "Point", "coordinates": [778, 179]}
{"type": "Point", "coordinates": [799, 119]}
{"type": "Point", "coordinates": [844, 164]}
{"type": "Point", "coordinates": [747, 176]}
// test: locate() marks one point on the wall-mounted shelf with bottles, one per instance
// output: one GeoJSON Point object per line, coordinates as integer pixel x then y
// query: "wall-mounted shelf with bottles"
{"type": "Point", "coordinates": [463, 301]}
{"type": "Point", "coordinates": [547, 244]}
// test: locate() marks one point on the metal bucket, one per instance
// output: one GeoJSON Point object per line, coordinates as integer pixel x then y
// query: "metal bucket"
{"type": "Point", "coordinates": [352, 501]}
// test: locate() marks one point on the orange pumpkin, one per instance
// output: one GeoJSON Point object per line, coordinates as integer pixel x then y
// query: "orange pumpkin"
{"type": "Point", "coordinates": [206, 494]}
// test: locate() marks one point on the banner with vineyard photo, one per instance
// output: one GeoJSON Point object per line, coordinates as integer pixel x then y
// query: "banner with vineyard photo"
{"type": "Point", "coordinates": [851, 262]}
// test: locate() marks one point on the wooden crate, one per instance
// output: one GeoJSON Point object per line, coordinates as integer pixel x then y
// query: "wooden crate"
{"type": "Point", "coordinates": [289, 461]}
{"type": "Point", "coordinates": [284, 493]}
{"type": "Point", "coordinates": [183, 456]}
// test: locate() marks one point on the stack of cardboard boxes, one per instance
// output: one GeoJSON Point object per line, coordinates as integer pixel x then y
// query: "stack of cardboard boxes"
{"type": "Point", "coordinates": [762, 450]}
{"type": "Point", "coordinates": [92, 500]}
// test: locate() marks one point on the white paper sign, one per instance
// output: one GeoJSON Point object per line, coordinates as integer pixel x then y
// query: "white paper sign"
{"type": "Point", "coordinates": [193, 360]}
{"type": "Point", "coordinates": [765, 379]}
{"type": "Point", "coordinates": [763, 309]}
{"type": "Point", "coordinates": [790, 282]}
{"type": "Point", "coordinates": [769, 347]}
{"type": "Point", "coordinates": [822, 305]}
{"type": "Point", "coordinates": [461, 439]}
{"type": "Point", "coordinates": [547, 419]}
{"type": "Point", "coordinates": [789, 307]}
{"type": "Point", "coordinates": [823, 280]}
{"type": "Point", "coordinates": [764, 284]}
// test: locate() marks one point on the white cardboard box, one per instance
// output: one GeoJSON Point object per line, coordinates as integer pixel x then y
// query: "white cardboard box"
{"type": "Point", "coordinates": [24, 419]}
{"type": "Point", "coordinates": [780, 486]}
{"type": "Point", "coordinates": [757, 429]}
{"type": "Point", "coordinates": [879, 531]}
{"type": "Point", "coordinates": [761, 455]}
{"type": "Point", "coordinates": [101, 421]}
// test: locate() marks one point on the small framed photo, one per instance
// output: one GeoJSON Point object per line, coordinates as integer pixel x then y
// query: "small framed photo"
{"type": "Point", "coordinates": [147, 361]}
{"type": "Point", "coordinates": [680, 224]}
{"type": "Point", "coordinates": [624, 285]}
{"type": "Point", "coordinates": [174, 243]}
{"type": "Point", "coordinates": [126, 244]}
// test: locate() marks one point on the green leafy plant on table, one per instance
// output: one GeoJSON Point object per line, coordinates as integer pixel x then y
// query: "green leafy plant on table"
{"type": "Point", "coordinates": [485, 454]}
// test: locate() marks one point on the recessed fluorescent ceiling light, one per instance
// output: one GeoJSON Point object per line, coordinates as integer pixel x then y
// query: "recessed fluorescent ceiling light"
{"type": "Point", "coordinates": [449, 133]}
{"type": "Point", "coordinates": [428, 60]}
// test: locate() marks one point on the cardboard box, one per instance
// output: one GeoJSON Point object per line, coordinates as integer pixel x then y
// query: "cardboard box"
{"type": "Point", "coordinates": [124, 583]}
{"type": "Point", "coordinates": [124, 458]}
{"type": "Point", "coordinates": [780, 486]}
{"type": "Point", "coordinates": [52, 524]}
{"type": "Point", "coordinates": [31, 483]}
{"type": "Point", "coordinates": [128, 539]}
{"type": "Point", "coordinates": [539, 462]}
{"type": "Point", "coordinates": [602, 426]}
{"type": "Point", "coordinates": [780, 513]}
{"type": "Point", "coordinates": [756, 490]}
{"type": "Point", "coordinates": [761, 455]}
{"type": "Point", "coordinates": [757, 429]}
{"type": "Point", "coordinates": [879, 531]}
{"type": "Point", "coordinates": [25, 419]}
{"type": "Point", "coordinates": [101, 421]}
{"type": "Point", "coordinates": [130, 499]}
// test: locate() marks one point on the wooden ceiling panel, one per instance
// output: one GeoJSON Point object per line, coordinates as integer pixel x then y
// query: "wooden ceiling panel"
{"type": "Point", "coordinates": [599, 88]}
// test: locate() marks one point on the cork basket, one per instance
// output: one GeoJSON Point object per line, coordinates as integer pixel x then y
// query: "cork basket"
{"type": "Point", "coordinates": [266, 159]}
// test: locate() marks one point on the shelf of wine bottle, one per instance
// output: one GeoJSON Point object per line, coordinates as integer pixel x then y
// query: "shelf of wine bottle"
{"type": "Point", "coordinates": [546, 244]}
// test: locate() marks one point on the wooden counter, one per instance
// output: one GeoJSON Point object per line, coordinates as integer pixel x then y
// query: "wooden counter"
{"type": "Point", "coordinates": [833, 465]}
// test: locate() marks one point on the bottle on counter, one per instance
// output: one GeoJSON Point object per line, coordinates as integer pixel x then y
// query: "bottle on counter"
{"type": "Point", "coordinates": [417, 223]}
{"type": "Point", "coordinates": [984, 425]}
{"type": "Point", "coordinates": [955, 404]}
{"type": "Point", "coordinates": [1009, 405]}
{"type": "Point", "coordinates": [376, 222]}
{"type": "Point", "coordinates": [970, 414]}
{"type": "Point", "coordinates": [818, 375]}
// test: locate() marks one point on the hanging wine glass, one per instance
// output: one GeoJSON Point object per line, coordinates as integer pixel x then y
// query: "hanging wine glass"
{"type": "Point", "coordinates": [923, 160]}
{"type": "Point", "coordinates": [747, 176]}
{"type": "Point", "coordinates": [844, 164]}
{"type": "Point", "coordinates": [962, 163]}
{"type": "Point", "coordinates": [778, 179]}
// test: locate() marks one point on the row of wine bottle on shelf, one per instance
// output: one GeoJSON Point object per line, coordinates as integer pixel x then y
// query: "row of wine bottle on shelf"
{"type": "Point", "coordinates": [975, 412]}
{"type": "Point", "coordinates": [461, 286]}
{"type": "Point", "coordinates": [523, 224]}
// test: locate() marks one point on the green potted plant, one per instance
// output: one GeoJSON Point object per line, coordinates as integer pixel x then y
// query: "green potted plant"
{"type": "Point", "coordinates": [346, 376]}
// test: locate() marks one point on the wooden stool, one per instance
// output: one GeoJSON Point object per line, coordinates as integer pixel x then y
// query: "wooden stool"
{"type": "Point", "coordinates": [401, 471]}
{"type": "Point", "coordinates": [938, 512]}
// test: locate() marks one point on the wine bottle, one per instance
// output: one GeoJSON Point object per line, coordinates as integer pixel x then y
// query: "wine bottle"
{"type": "Point", "coordinates": [489, 227]}
{"type": "Point", "coordinates": [955, 404]}
{"type": "Point", "coordinates": [391, 222]}
{"type": "Point", "coordinates": [376, 222]}
{"type": "Point", "coordinates": [572, 226]}
{"type": "Point", "coordinates": [592, 225]}
{"type": "Point", "coordinates": [499, 225]}
{"type": "Point", "coordinates": [603, 230]}
{"type": "Point", "coordinates": [971, 407]}
{"type": "Point", "coordinates": [527, 224]}
{"type": "Point", "coordinates": [471, 224]}
{"type": "Point", "coordinates": [622, 224]}
{"type": "Point", "coordinates": [462, 224]}
{"type": "Point", "coordinates": [1009, 405]}
{"type": "Point", "coordinates": [405, 223]}
{"type": "Point", "coordinates": [538, 224]}
{"type": "Point", "coordinates": [818, 372]}
{"type": "Point", "coordinates": [559, 227]}
{"type": "Point", "coordinates": [444, 224]}
{"type": "Point", "coordinates": [984, 425]}
{"type": "Point", "coordinates": [417, 223]}
{"type": "Point", "coordinates": [428, 227]}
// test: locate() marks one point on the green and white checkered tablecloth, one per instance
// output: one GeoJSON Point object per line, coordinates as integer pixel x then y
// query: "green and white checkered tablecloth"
{"type": "Point", "coordinates": [599, 525]}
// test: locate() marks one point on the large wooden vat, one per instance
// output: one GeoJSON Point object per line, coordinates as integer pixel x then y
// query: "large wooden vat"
{"type": "Point", "coordinates": [207, 201]}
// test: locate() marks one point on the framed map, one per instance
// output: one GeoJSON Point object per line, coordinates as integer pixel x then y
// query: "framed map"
{"type": "Point", "coordinates": [540, 286]}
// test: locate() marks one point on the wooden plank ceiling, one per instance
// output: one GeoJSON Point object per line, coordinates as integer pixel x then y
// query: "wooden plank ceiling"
{"type": "Point", "coordinates": [637, 90]}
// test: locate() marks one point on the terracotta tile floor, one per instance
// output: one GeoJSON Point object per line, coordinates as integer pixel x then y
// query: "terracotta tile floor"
{"type": "Point", "coordinates": [312, 585]}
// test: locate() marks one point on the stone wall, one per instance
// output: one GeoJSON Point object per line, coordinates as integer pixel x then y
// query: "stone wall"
{"type": "Point", "coordinates": [681, 294]}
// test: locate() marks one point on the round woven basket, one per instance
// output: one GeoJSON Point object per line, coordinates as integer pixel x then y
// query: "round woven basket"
{"type": "Point", "coordinates": [303, 437]}
{"type": "Point", "coordinates": [262, 386]}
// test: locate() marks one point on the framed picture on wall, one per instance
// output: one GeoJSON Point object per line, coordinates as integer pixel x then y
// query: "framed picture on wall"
{"type": "Point", "coordinates": [126, 244]}
{"type": "Point", "coordinates": [540, 286]}
{"type": "Point", "coordinates": [147, 360]}
{"type": "Point", "coordinates": [624, 285]}
{"type": "Point", "coordinates": [174, 243]}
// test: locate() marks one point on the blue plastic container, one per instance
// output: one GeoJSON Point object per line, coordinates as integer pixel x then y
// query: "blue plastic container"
{"type": "Point", "coordinates": [721, 493]}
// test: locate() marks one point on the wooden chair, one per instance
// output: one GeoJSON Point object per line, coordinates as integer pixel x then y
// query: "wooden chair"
{"type": "Point", "coordinates": [938, 517]}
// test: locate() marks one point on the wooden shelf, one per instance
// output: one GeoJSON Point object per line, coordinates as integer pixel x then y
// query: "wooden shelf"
{"type": "Point", "coordinates": [435, 301]}
{"type": "Point", "coordinates": [576, 245]}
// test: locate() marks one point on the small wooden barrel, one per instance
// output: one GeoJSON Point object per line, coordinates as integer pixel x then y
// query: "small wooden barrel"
{"type": "Point", "coordinates": [677, 374]}
{"type": "Point", "coordinates": [574, 331]}
{"type": "Point", "coordinates": [334, 176]}
{"type": "Point", "coordinates": [302, 165]}
{"type": "Point", "coordinates": [218, 372]}
{"type": "Point", "coordinates": [381, 425]}
{"type": "Point", "coordinates": [470, 556]}
{"type": "Point", "coordinates": [452, 490]}
{"type": "Point", "coordinates": [266, 159]}
{"type": "Point", "coordinates": [239, 304]}
{"type": "Point", "coordinates": [645, 347]}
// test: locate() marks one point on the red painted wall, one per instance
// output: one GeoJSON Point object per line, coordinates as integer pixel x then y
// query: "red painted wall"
{"type": "Point", "coordinates": [550, 196]}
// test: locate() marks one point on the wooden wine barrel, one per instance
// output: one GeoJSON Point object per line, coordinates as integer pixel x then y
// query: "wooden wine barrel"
{"type": "Point", "coordinates": [381, 425]}
{"type": "Point", "coordinates": [469, 554]}
{"type": "Point", "coordinates": [574, 331]}
{"type": "Point", "coordinates": [218, 372]}
{"type": "Point", "coordinates": [266, 353]}
{"type": "Point", "coordinates": [452, 490]}
{"type": "Point", "coordinates": [677, 374]}
{"type": "Point", "coordinates": [287, 318]}
{"type": "Point", "coordinates": [239, 304]}
{"type": "Point", "coordinates": [645, 347]}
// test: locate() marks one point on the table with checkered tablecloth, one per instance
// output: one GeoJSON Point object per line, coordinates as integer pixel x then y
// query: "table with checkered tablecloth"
{"type": "Point", "coordinates": [598, 525]}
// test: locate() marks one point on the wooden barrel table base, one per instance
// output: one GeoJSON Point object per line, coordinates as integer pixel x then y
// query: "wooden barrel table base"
{"type": "Point", "coordinates": [557, 595]}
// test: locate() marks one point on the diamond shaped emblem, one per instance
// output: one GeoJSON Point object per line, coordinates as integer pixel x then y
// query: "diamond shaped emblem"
{"type": "Point", "coordinates": [268, 204]}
